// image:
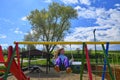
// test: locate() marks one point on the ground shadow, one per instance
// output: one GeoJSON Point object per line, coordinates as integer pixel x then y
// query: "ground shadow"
{"type": "Point", "coordinates": [42, 73]}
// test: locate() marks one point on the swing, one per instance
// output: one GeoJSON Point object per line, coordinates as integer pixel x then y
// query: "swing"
{"type": "Point", "coordinates": [75, 64]}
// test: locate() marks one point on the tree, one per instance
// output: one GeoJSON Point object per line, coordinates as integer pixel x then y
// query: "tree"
{"type": "Point", "coordinates": [51, 24]}
{"type": "Point", "coordinates": [29, 37]}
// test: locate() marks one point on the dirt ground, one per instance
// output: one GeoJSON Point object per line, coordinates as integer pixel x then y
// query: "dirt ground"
{"type": "Point", "coordinates": [115, 72]}
{"type": "Point", "coordinates": [52, 75]}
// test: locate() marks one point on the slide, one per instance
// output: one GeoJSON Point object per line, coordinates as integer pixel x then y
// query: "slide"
{"type": "Point", "coordinates": [14, 69]}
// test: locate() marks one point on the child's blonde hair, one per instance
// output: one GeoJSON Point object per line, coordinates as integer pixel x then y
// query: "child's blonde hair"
{"type": "Point", "coordinates": [57, 53]}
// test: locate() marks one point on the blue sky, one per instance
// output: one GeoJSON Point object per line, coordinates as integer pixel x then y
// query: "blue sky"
{"type": "Point", "coordinates": [102, 15]}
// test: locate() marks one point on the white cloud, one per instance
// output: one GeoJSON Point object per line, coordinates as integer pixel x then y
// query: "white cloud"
{"type": "Point", "coordinates": [108, 28]}
{"type": "Point", "coordinates": [107, 20]}
{"type": "Point", "coordinates": [91, 12]}
{"type": "Point", "coordinates": [4, 45]}
{"type": "Point", "coordinates": [117, 5]}
{"type": "Point", "coordinates": [81, 34]}
{"type": "Point", "coordinates": [103, 33]}
{"type": "Point", "coordinates": [111, 18]}
{"type": "Point", "coordinates": [24, 18]}
{"type": "Point", "coordinates": [17, 31]}
{"type": "Point", "coordinates": [79, 8]}
{"type": "Point", "coordinates": [101, 13]}
{"type": "Point", "coordinates": [86, 2]}
{"type": "Point", "coordinates": [6, 21]}
{"type": "Point", "coordinates": [103, 17]}
{"type": "Point", "coordinates": [70, 1]}
{"type": "Point", "coordinates": [2, 36]}
{"type": "Point", "coordinates": [48, 1]}
{"type": "Point", "coordinates": [86, 13]}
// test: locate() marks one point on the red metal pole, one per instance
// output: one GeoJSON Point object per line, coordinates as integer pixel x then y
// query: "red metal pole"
{"type": "Point", "coordinates": [1, 56]}
{"type": "Point", "coordinates": [18, 57]}
{"type": "Point", "coordinates": [88, 62]}
{"type": "Point", "coordinates": [10, 49]}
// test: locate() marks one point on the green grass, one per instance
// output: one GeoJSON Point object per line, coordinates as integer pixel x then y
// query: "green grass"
{"type": "Point", "coordinates": [92, 52]}
{"type": "Point", "coordinates": [2, 68]}
{"type": "Point", "coordinates": [37, 62]}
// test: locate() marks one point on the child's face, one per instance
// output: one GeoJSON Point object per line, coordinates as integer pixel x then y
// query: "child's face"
{"type": "Point", "coordinates": [62, 51]}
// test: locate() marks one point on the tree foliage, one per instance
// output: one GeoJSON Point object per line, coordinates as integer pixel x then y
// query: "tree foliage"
{"type": "Point", "coordinates": [51, 24]}
{"type": "Point", "coordinates": [30, 37]}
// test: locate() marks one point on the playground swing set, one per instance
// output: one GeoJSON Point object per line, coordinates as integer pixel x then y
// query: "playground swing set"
{"type": "Point", "coordinates": [13, 65]}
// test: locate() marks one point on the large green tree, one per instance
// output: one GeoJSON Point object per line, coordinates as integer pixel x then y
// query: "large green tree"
{"type": "Point", "coordinates": [30, 37]}
{"type": "Point", "coordinates": [51, 24]}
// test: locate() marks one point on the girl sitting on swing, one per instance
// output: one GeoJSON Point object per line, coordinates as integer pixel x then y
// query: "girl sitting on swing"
{"type": "Point", "coordinates": [59, 59]}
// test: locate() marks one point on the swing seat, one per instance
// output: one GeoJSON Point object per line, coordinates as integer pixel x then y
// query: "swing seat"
{"type": "Point", "coordinates": [76, 63]}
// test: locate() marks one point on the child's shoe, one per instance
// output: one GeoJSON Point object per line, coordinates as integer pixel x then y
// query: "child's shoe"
{"type": "Point", "coordinates": [68, 70]}
{"type": "Point", "coordinates": [57, 68]}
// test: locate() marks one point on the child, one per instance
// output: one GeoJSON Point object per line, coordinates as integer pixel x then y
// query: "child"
{"type": "Point", "coordinates": [60, 58]}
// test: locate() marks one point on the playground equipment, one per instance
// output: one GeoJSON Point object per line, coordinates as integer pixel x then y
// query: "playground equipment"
{"type": "Point", "coordinates": [85, 53]}
{"type": "Point", "coordinates": [11, 65]}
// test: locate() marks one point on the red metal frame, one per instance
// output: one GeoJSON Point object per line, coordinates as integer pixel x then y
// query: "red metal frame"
{"type": "Point", "coordinates": [14, 67]}
{"type": "Point", "coordinates": [88, 62]}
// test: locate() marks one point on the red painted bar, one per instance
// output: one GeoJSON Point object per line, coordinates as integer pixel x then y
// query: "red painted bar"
{"type": "Point", "coordinates": [88, 62]}
{"type": "Point", "coordinates": [1, 56]}
{"type": "Point", "coordinates": [18, 56]}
